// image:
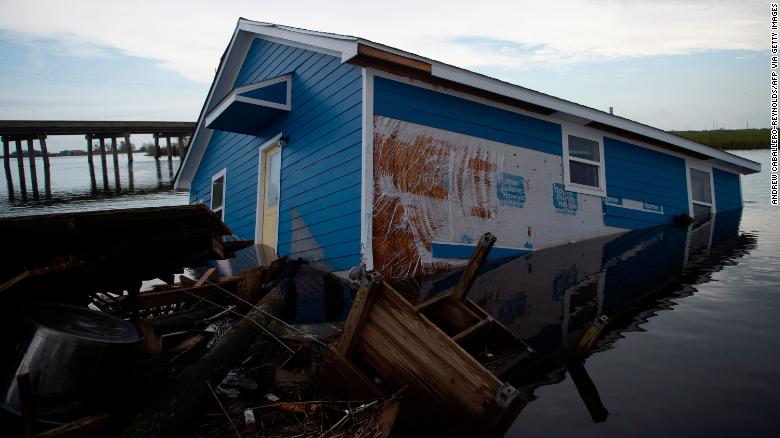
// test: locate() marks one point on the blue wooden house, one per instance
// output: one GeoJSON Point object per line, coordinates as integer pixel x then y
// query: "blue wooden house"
{"type": "Point", "coordinates": [343, 151]}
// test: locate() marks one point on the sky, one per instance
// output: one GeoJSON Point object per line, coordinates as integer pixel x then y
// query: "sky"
{"type": "Point", "coordinates": [684, 64]}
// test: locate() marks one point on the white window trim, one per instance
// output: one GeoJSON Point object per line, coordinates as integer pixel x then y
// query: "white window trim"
{"type": "Point", "coordinates": [691, 201]}
{"type": "Point", "coordinates": [235, 96]}
{"type": "Point", "coordinates": [589, 134]}
{"type": "Point", "coordinates": [221, 210]}
{"type": "Point", "coordinates": [260, 188]}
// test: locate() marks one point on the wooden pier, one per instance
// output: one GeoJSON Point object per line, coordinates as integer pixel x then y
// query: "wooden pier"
{"type": "Point", "coordinates": [17, 131]}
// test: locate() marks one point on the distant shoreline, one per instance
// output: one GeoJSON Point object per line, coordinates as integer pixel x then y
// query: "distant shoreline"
{"type": "Point", "coordinates": [731, 139]}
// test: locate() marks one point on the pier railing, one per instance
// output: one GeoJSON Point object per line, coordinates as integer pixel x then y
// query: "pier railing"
{"type": "Point", "coordinates": [27, 132]}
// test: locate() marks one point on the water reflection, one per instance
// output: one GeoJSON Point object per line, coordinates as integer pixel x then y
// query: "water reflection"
{"type": "Point", "coordinates": [76, 185]}
{"type": "Point", "coordinates": [551, 297]}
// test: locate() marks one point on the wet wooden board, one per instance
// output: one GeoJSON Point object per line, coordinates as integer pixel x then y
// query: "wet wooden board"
{"type": "Point", "coordinates": [404, 346]}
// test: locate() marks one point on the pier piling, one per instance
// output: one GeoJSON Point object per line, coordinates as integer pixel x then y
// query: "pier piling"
{"type": "Point", "coordinates": [46, 170]}
{"type": "Point", "coordinates": [129, 147]}
{"type": "Point", "coordinates": [157, 147]}
{"type": "Point", "coordinates": [180, 150]}
{"type": "Point", "coordinates": [33, 169]}
{"type": "Point", "coordinates": [31, 131]}
{"type": "Point", "coordinates": [7, 164]}
{"type": "Point", "coordinates": [91, 163]}
{"type": "Point", "coordinates": [103, 162]}
{"type": "Point", "coordinates": [20, 164]}
{"type": "Point", "coordinates": [115, 153]}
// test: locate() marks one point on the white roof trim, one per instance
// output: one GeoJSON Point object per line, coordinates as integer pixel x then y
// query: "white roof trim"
{"type": "Point", "coordinates": [234, 96]}
{"type": "Point", "coordinates": [346, 47]}
{"type": "Point", "coordinates": [516, 92]}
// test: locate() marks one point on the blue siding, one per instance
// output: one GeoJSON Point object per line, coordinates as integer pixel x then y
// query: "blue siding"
{"type": "Point", "coordinates": [438, 110]}
{"type": "Point", "coordinates": [319, 210]}
{"type": "Point", "coordinates": [727, 192]}
{"type": "Point", "coordinates": [272, 93]}
{"type": "Point", "coordinates": [464, 251]}
{"type": "Point", "coordinates": [641, 174]}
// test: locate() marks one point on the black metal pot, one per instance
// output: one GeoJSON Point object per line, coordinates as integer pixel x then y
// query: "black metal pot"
{"type": "Point", "coordinates": [70, 353]}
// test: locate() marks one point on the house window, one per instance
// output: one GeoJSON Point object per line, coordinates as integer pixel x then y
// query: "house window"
{"type": "Point", "coordinates": [583, 164]}
{"type": "Point", "coordinates": [701, 193]}
{"type": "Point", "coordinates": [218, 194]}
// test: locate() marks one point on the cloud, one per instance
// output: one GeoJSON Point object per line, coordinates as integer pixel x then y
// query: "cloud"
{"type": "Point", "coordinates": [189, 37]}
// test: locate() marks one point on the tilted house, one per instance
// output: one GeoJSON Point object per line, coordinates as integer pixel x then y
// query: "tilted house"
{"type": "Point", "coordinates": [343, 151]}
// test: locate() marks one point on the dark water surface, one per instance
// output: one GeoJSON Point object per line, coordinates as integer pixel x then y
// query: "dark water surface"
{"type": "Point", "coordinates": [699, 357]}
{"type": "Point", "coordinates": [147, 183]}
{"type": "Point", "coordinates": [692, 344]}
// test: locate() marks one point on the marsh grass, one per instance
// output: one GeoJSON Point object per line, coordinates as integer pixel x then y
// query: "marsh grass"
{"type": "Point", "coordinates": [729, 139]}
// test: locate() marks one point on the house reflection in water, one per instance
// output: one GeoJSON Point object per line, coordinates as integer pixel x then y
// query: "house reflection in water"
{"type": "Point", "coordinates": [550, 297]}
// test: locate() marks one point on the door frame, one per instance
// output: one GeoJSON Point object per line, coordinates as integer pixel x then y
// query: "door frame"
{"type": "Point", "coordinates": [708, 169]}
{"type": "Point", "coordinates": [260, 187]}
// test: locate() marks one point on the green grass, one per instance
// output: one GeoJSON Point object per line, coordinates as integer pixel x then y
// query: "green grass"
{"type": "Point", "coordinates": [730, 138]}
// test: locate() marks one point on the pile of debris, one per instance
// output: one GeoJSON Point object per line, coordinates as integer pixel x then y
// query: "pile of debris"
{"type": "Point", "coordinates": [221, 356]}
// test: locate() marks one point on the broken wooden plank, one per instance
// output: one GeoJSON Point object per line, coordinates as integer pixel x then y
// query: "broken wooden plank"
{"type": "Point", "coordinates": [343, 378]}
{"type": "Point", "coordinates": [26, 404]}
{"type": "Point", "coordinates": [591, 335]}
{"type": "Point", "coordinates": [249, 288]}
{"type": "Point", "coordinates": [94, 425]}
{"type": "Point", "coordinates": [171, 414]}
{"type": "Point", "coordinates": [361, 308]}
{"type": "Point", "coordinates": [463, 334]}
{"type": "Point", "coordinates": [407, 349]}
{"type": "Point", "coordinates": [207, 277]}
{"type": "Point", "coordinates": [477, 259]}
{"type": "Point", "coordinates": [150, 300]}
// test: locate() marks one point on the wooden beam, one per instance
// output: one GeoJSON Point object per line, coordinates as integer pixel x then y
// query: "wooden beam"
{"type": "Point", "coordinates": [91, 163]}
{"type": "Point", "coordinates": [476, 261]}
{"type": "Point", "coordinates": [115, 153]}
{"type": "Point", "coordinates": [150, 300]}
{"type": "Point", "coordinates": [381, 55]}
{"type": "Point", "coordinates": [7, 164]}
{"type": "Point", "coordinates": [70, 127]}
{"type": "Point", "coordinates": [249, 288]}
{"type": "Point", "coordinates": [207, 277]}
{"type": "Point", "coordinates": [26, 407]}
{"type": "Point", "coordinates": [20, 165]}
{"type": "Point", "coordinates": [470, 330]}
{"type": "Point", "coordinates": [33, 170]}
{"type": "Point", "coordinates": [588, 392]}
{"type": "Point", "coordinates": [358, 315]}
{"type": "Point", "coordinates": [171, 414]}
{"type": "Point", "coordinates": [95, 425]}
{"type": "Point", "coordinates": [129, 147]}
{"type": "Point", "coordinates": [46, 170]}
{"type": "Point", "coordinates": [103, 162]}
{"type": "Point", "coordinates": [170, 149]}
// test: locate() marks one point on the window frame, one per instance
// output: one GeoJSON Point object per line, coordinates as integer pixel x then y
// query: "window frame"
{"type": "Point", "coordinates": [587, 134]}
{"type": "Point", "coordinates": [221, 210]}
{"type": "Point", "coordinates": [711, 204]}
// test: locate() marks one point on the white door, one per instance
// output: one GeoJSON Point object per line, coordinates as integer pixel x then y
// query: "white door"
{"type": "Point", "coordinates": [272, 160]}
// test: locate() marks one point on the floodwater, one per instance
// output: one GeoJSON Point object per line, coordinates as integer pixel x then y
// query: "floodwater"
{"type": "Point", "coordinates": [146, 183]}
{"type": "Point", "coordinates": [691, 348]}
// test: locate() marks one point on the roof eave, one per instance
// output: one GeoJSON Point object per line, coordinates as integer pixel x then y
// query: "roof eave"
{"type": "Point", "coordinates": [591, 115]}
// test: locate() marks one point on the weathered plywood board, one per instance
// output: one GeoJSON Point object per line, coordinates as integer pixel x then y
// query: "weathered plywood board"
{"type": "Point", "coordinates": [404, 346]}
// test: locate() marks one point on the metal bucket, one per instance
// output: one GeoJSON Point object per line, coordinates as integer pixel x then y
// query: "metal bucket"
{"type": "Point", "coordinates": [69, 353]}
